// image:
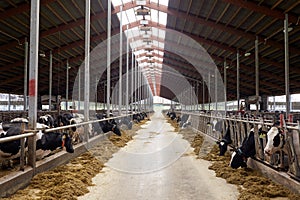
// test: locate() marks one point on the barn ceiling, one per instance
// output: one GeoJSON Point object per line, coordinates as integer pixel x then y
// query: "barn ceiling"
{"type": "Point", "coordinates": [221, 27]}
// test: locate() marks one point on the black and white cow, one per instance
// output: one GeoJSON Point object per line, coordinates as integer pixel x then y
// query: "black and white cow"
{"type": "Point", "coordinates": [47, 120]}
{"type": "Point", "coordinates": [47, 142]}
{"type": "Point", "coordinates": [125, 121]}
{"type": "Point", "coordinates": [240, 156]}
{"type": "Point", "coordinates": [63, 119]}
{"type": "Point", "coordinates": [275, 140]}
{"type": "Point", "coordinates": [77, 132]}
{"type": "Point", "coordinates": [172, 115]}
{"type": "Point", "coordinates": [224, 142]}
{"type": "Point", "coordinates": [108, 125]}
{"type": "Point", "coordinates": [11, 150]}
{"type": "Point", "coordinates": [185, 121]}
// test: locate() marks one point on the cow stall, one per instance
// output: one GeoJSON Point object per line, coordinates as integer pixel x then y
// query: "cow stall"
{"type": "Point", "coordinates": [285, 160]}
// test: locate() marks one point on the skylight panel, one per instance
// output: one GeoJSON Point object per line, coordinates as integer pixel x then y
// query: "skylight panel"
{"type": "Point", "coordinates": [119, 2]}
{"type": "Point", "coordinates": [160, 2]}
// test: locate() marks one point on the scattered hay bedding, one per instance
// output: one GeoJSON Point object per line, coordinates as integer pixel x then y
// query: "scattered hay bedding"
{"type": "Point", "coordinates": [251, 184]}
{"type": "Point", "coordinates": [71, 180]}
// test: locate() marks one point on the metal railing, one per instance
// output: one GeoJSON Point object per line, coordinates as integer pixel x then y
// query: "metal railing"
{"type": "Point", "coordinates": [239, 129]}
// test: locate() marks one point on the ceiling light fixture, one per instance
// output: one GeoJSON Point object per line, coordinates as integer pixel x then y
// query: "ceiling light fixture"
{"type": "Point", "coordinates": [42, 54]}
{"type": "Point", "coordinates": [142, 11]}
{"type": "Point", "coordinates": [145, 28]}
{"type": "Point", "coordinates": [289, 29]}
{"type": "Point", "coordinates": [247, 54]}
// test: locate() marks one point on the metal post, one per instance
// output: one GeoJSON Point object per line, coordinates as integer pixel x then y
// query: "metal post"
{"type": "Point", "coordinates": [50, 80]}
{"type": "Point", "coordinates": [87, 67]}
{"type": "Point", "coordinates": [209, 99]}
{"type": "Point", "coordinates": [287, 65]}
{"type": "Point", "coordinates": [225, 86]}
{"type": "Point", "coordinates": [127, 71]}
{"type": "Point", "coordinates": [216, 88]}
{"type": "Point", "coordinates": [79, 87]}
{"type": "Point", "coordinates": [203, 93]}
{"type": "Point", "coordinates": [9, 102]}
{"type": "Point", "coordinates": [96, 95]}
{"type": "Point", "coordinates": [33, 78]}
{"type": "Point", "coordinates": [238, 78]}
{"type": "Point", "coordinates": [25, 75]}
{"type": "Point", "coordinates": [67, 86]}
{"type": "Point", "coordinates": [197, 95]}
{"type": "Point", "coordinates": [136, 85]}
{"type": "Point", "coordinates": [104, 95]}
{"type": "Point", "coordinates": [132, 73]}
{"type": "Point", "coordinates": [120, 63]}
{"type": "Point", "coordinates": [256, 72]}
{"type": "Point", "coordinates": [108, 55]}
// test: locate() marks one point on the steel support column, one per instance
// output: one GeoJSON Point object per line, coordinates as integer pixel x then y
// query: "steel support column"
{"type": "Point", "coordinates": [26, 74]}
{"type": "Point", "coordinates": [132, 73]}
{"type": "Point", "coordinates": [127, 71]}
{"type": "Point", "coordinates": [50, 80]}
{"type": "Point", "coordinates": [87, 67]}
{"type": "Point", "coordinates": [287, 65]}
{"type": "Point", "coordinates": [238, 78]}
{"type": "Point", "coordinates": [225, 86]}
{"type": "Point", "coordinates": [33, 78]}
{"type": "Point", "coordinates": [67, 85]}
{"type": "Point", "coordinates": [256, 73]}
{"type": "Point", "coordinates": [120, 64]}
{"type": "Point", "coordinates": [108, 56]}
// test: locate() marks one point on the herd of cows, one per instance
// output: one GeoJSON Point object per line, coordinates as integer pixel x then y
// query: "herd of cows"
{"type": "Point", "coordinates": [47, 141]}
{"type": "Point", "coordinates": [274, 136]}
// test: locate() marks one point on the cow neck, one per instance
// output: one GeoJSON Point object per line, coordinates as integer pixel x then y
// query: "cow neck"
{"type": "Point", "coordinates": [282, 137]}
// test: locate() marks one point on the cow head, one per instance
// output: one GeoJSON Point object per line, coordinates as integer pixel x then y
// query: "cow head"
{"type": "Point", "coordinates": [276, 140]}
{"type": "Point", "coordinates": [47, 120]}
{"type": "Point", "coordinates": [238, 159]}
{"type": "Point", "coordinates": [67, 142]}
{"type": "Point", "coordinates": [225, 141]}
{"type": "Point", "coordinates": [116, 130]}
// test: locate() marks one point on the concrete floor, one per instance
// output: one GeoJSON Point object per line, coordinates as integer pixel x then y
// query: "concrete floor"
{"type": "Point", "coordinates": [158, 165]}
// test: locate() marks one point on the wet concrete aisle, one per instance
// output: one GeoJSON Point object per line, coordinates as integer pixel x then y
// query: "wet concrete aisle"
{"type": "Point", "coordinates": [158, 165]}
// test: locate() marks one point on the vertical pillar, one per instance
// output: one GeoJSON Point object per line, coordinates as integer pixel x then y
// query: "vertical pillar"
{"type": "Point", "coordinates": [216, 89]}
{"type": "Point", "coordinates": [132, 75]}
{"type": "Point", "coordinates": [87, 67]}
{"type": "Point", "coordinates": [209, 99]}
{"type": "Point", "coordinates": [50, 80]}
{"type": "Point", "coordinates": [256, 72]}
{"type": "Point", "coordinates": [287, 65]}
{"type": "Point", "coordinates": [120, 63]}
{"type": "Point", "coordinates": [33, 78]}
{"type": "Point", "coordinates": [238, 78]}
{"type": "Point", "coordinates": [136, 85]}
{"type": "Point", "coordinates": [25, 74]}
{"type": "Point", "coordinates": [67, 86]}
{"type": "Point", "coordinates": [79, 87]}
{"type": "Point", "coordinates": [225, 86]}
{"type": "Point", "coordinates": [108, 56]}
{"type": "Point", "coordinates": [203, 93]}
{"type": "Point", "coordinates": [9, 102]}
{"type": "Point", "coordinates": [127, 71]}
